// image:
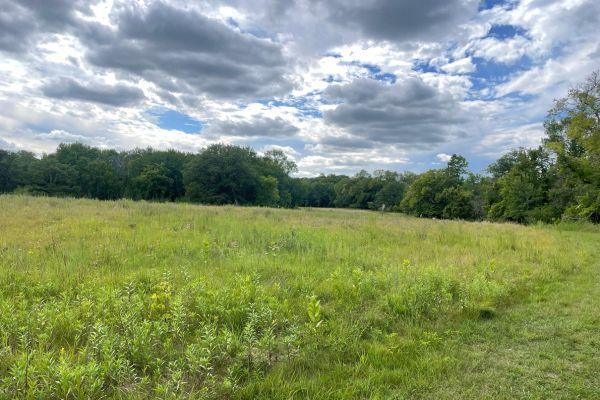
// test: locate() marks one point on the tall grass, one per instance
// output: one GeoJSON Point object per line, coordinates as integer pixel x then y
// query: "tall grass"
{"type": "Point", "coordinates": [135, 300]}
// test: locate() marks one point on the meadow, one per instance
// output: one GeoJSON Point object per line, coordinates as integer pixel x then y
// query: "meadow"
{"type": "Point", "coordinates": [137, 300]}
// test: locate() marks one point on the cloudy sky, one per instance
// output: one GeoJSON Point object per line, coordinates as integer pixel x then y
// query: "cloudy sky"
{"type": "Point", "coordinates": [339, 85]}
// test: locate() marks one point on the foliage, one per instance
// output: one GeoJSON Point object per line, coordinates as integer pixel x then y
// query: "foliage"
{"type": "Point", "coordinates": [573, 135]}
{"type": "Point", "coordinates": [222, 174]}
{"type": "Point", "coordinates": [153, 182]}
{"type": "Point", "coordinates": [15, 170]}
{"type": "Point", "coordinates": [441, 193]}
{"type": "Point", "coordinates": [155, 175]}
{"type": "Point", "coordinates": [523, 188]}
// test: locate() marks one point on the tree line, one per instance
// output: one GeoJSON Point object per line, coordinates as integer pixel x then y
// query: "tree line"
{"type": "Point", "coordinates": [558, 180]}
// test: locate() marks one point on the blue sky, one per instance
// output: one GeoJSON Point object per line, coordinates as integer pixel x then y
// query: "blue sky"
{"type": "Point", "coordinates": [379, 84]}
{"type": "Point", "coordinates": [174, 120]}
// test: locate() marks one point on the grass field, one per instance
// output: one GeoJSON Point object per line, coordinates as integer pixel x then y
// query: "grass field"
{"type": "Point", "coordinates": [139, 300]}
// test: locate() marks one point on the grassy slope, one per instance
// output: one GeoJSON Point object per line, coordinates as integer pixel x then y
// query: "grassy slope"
{"type": "Point", "coordinates": [545, 347]}
{"type": "Point", "coordinates": [132, 300]}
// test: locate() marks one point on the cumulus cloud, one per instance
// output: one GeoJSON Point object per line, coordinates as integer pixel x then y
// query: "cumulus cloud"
{"type": "Point", "coordinates": [443, 157]}
{"type": "Point", "coordinates": [289, 151]}
{"type": "Point", "coordinates": [408, 112]}
{"type": "Point", "coordinates": [113, 95]}
{"type": "Point", "coordinates": [254, 127]}
{"type": "Point", "coordinates": [6, 145]}
{"type": "Point", "coordinates": [181, 50]}
{"type": "Point", "coordinates": [504, 51]}
{"type": "Point", "coordinates": [61, 136]}
{"type": "Point", "coordinates": [351, 161]}
{"type": "Point", "coordinates": [555, 76]}
{"type": "Point", "coordinates": [503, 140]}
{"type": "Point", "coordinates": [22, 22]}
{"type": "Point", "coordinates": [339, 84]}
{"type": "Point", "coordinates": [402, 20]}
{"type": "Point", "coordinates": [462, 66]}
{"type": "Point", "coordinates": [340, 22]}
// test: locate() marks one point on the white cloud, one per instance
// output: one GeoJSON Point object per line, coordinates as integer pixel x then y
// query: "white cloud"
{"type": "Point", "coordinates": [473, 112]}
{"type": "Point", "coordinates": [503, 140]}
{"type": "Point", "coordinates": [350, 162]}
{"type": "Point", "coordinates": [505, 51]}
{"type": "Point", "coordinates": [443, 157]}
{"type": "Point", "coordinates": [5, 145]}
{"type": "Point", "coordinates": [462, 66]}
{"type": "Point", "coordinates": [287, 150]}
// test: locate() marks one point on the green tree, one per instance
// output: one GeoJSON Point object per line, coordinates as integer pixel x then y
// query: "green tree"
{"type": "Point", "coordinates": [392, 189]}
{"type": "Point", "coordinates": [223, 174]}
{"type": "Point", "coordinates": [321, 190]}
{"type": "Point", "coordinates": [15, 170]}
{"type": "Point", "coordinates": [53, 178]}
{"type": "Point", "coordinates": [153, 183]}
{"type": "Point", "coordinates": [96, 173]}
{"type": "Point", "coordinates": [173, 163]}
{"type": "Point", "coordinates": [268, 193]}
{"type": "Point", "coordinates": [357, 192]}
{"type": "Point", "coordinates": [573, 136]}
{"type": "Point", "coordinates": [424, 197]}
{"type": "Point", "coordinates": [441, 193]}
{"type": "Point", "coordinates": [522, 190]}
{"type": "Point", "coordinates": [276, 164]}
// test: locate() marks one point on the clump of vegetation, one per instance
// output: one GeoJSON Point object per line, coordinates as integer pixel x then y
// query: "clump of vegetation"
{"type": "Point", "coordinates": [180, 301]}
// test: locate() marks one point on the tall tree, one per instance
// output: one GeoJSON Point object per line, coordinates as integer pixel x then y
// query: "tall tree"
{"type": "Point", "coordinates": [573, 136]}
{"type": "Point", "coordinates": [16, 170]}
{"type": "Point", "coordinates": [522, 189]}
{"type": "Point", "coordinates": [223, 174]}
{"type": "Point", "coordinates": [164, 167]}
{"type": "Point", "coordinates": [276, 164]}
{"type": "Point", "coordinates": [441, 193]}
{"type": "Point", "coordinates": [153, 183]}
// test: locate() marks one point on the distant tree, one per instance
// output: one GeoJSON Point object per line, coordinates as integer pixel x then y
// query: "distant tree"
{"type": "Point", "coordinates": [358, 191]}
{"type": "Point", "coordinates": [102, 181]}
{"type": "Point", "coordinates": [504, 164]}
{"type": "Point", "coordinates": [392, 189]}
{"type": "Point", "coordinates": [477, 187]}
{"type": "Point", "coordinates": [7, 180]}
{"type": "Point", "coordinates": [280, 162]}
{"type": "Point", "coordinates": [53, 178]}
{"type": "Point", "coordinates": [458, 203]}
{"type": "Point", "coordinates": [298, 191]}
{"type": "Point", "coordinates": [276, 164]}
{"type": "Point", "coordinates": [423, 198]}
{"type": "Point", "coordinates": [153, 183]}
{"type": "Point", "coordinates": [440, 193]}
{"type": "Point", "coordinates": [523, 188]}
{"type": "Point", "coordinates": [321, 190]}
{"type": "Point", "coordinates": [172, 164]}
{"type": "Point", "coordinates": [96, 173]}
{"type": "Point", "coordinates": [457, 166]}
{"type": "Point", "coordinates": [223, 174]}
{"type": "Point", "coordinates": [267, 193]}
{"type": "Point", "coordinates": [15, 170]}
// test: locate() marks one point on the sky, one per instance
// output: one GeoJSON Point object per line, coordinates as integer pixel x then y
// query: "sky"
{"type": "Point", "coordinates": [338, 85]}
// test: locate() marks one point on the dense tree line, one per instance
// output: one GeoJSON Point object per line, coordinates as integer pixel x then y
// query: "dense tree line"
{"type": "Point", "coordinates": [558, 180]}
{"type": "Point", "coordinates": [221, 174]}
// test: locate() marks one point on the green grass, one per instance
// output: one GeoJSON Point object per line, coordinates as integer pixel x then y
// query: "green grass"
{"type": "Point", "coordinates": [139, 300]}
